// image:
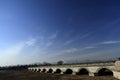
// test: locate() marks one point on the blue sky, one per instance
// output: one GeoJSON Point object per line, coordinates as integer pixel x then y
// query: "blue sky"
{"type": "Point", "coordinates": [52, 30]}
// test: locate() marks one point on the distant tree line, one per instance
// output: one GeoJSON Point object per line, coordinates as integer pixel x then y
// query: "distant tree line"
{"type": "Point", "coordinates": [18, 67]}
{"type": "Point", "coordinates": [25, 67]}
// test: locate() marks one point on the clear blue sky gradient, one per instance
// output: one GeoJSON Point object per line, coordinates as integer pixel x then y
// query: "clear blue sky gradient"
{"type": "Point", "coordinates": [52, 30]}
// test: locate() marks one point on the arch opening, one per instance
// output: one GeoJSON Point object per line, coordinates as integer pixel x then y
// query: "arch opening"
{"type": "Point", "coordinates": [39, 70]}
{"type": "Point", "coordinates": [105, 72]}
{"type": "Point", "coordinates": [58, 71]}
{"type": "Point", "coordinates": [35, 70]}
{"type": "Point", "coordinates": [50, 71]}
{"type": "Point", "coordinates": [68, 71]}
{"type": "Point", "coordinates": [83, 72]}
{"type": "Point", "coordinates": [44, 70]}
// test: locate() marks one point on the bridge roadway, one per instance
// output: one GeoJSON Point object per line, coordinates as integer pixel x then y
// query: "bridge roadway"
{"type": "Point", "coordinates": [94, 69]}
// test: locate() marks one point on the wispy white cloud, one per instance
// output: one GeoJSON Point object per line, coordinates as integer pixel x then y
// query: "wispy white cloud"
{"type": "Point", "coordinates": [31, 42]}
{"type": "Point", "coordinates": [98, 55]}
{"type": "Point", "coordinates": [13, 50]}
{"type": "Point", "coordinates": [110, 42]}
{"type": "Point", "coordinates": [53, 36]}
{"type": "Point", "coordinates": [11, 54]}
{"type": "Point", "coordinates": [90, 47]}
{"type": "Point", "coordinates": [83, 36]}
{"type": "Point", "coordinates": [48, 40]}
{"type": "Point", "coordinates": [71, 50]}
{"type": "Point", "coordinates": [96, 45]}
{"type": "Point", "coordinates": [89, 52]}
{"type": "Point", "coordinates": [48, 44]}
{"type": "Point", "coordinates": [82, 49]}
{"type": "Point", "coordinates": [89, 56]}
{"type": "Point", "coordinates": [17, 48]}
{"type": "Point", "coordinates": [51, 40]}
{"type": "Point", "coordinates": [69, 41]}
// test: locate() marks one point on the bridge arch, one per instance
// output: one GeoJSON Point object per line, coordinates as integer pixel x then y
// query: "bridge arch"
{"type": "Point", "coordinates": [104, 72]}
{"type": "Point", "coordinates": [35, 70]}
{"type": "Point", "coordinates": [68, 71]}
{"type": "Point", "coordinates": [50, 70]}
{"type": "Point", "coordinates": [58, 71]}
{"type": "Point", "coordinates": [44, 70]}
{"type": "Point", "coordinates": [39, 70]}
{"type": "Point", "coordinates": [83, 71]}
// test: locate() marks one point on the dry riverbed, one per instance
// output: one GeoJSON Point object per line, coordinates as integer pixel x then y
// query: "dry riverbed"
{"type": "Point", "coordinates": [24, 75]}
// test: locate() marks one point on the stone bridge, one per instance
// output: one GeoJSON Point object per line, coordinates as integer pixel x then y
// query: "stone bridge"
{"type": "Point", "coordinates": [94, 69]}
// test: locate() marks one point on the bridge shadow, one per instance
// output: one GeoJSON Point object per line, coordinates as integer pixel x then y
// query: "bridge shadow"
{"type": "Point", "coordinates": [105, 72]}
{"type": "Point", "coordinates": [58, 71]}
{"type": "Point", "coordinates": [44, 70]}
{"type": "Point", "coordinates": [50, 71]}
{"type": "Point", "coordinates": [83, 72]}
{"type": "Point", "coordinates": [39, 70]}
{"type": "Point", "coordinates": [68, 71]}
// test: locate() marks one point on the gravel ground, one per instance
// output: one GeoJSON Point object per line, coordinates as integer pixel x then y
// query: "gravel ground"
{"type": "Point", "coordinates": [23, 75]}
